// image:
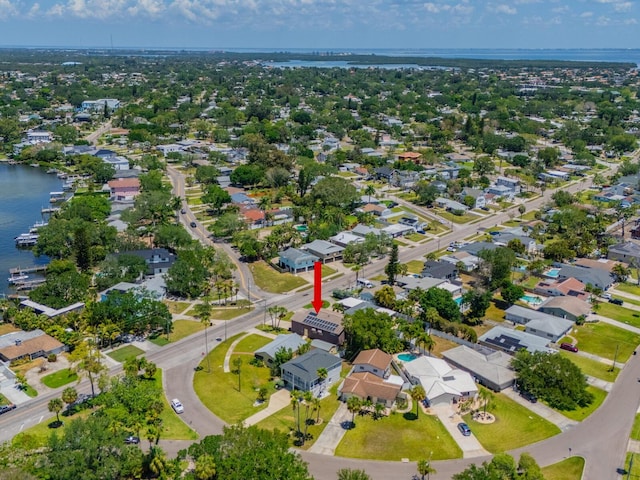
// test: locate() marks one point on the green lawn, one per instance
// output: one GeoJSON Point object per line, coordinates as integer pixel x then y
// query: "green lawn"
{"type": "Point", "coordinates": [415, 266]}
{"type": "Point", "coordinates": [569, 469]}
{"type": "Point", "coordinates": [3, 400]}
{"type": "Point", "coordinates": [176, 307]}
{"type": "Point", "coordinates": [631, 288]}
{"type": "Point", "coordinates": [174, 427]}
{"type": "Point", "coordinates": [415, 237]}
{"type": "Point", "coordinates": [635, 469]}
{"type": "Point", "coordinates": [270, 280]}
{"type": "Point", "coordinates": [515, 426]}
{"type": "Point", "coordinates": [251, 343]}
{"type": "Point", "coordinates": [580, 414]}
{"type": "Point", "coordinates": [635, 431]}
{"type": "Point", "coordinates": [284, 421]}
{"type": "Point", "coordinates": [593, 368]}
{"type": "Point", "coordinates": [218, 391]}
{"type": "Point", "coordinates": [495, 311]}
{"type": "Point", "coordinates": [325, 304]}
{"type": "Point", "coordinates": [228, 313]}
{"type": "Point", "coordinates": [399, 436]}
{"type": "Point", "coordinates": [602, 339]}
{"type": "Point", "coordinates": [530, 283]}
{"type": "Point", "coordinates": [181, 329]}
{"type": "Point", "coordinates": [123, 354]}
{"type": "Point", "coordinates": [627, 300]}
{"type": "Point", "coordinates": [465, 218]}
{"type": "Point", "coordinates": [326, 271]}
{"type": "Point", "coordinates": [59, 378]}
{"type": "Point", "coordinates": [620, 314]}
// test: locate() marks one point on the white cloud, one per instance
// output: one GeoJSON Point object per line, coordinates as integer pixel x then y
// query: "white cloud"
{"type": "Point", "coordinates": [8, 9]}
{"type": "Point", "coordinates": [586, 15]}
{"type": "Point", "coordinates": [603, 21]}
{"type": "Point", "coordinates": [630, 21]}
{"type": "Point", "coordinates": [623, 6]}
{"type": "Point", "coordinates": [151, 8]}
{"type": "Point", "coordinates": [561, 9]}
{"type": "Point", "coordinates": [503, 9]}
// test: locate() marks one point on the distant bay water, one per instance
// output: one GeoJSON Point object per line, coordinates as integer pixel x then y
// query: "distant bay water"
{"type": "Point", "coordinates": [23, 192]}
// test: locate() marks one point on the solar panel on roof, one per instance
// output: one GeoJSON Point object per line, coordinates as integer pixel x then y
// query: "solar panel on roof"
{"type": "Point", "coordinates": [313, 321]}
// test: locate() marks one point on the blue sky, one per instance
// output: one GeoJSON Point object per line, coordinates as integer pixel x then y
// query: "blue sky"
{"type": "Point", "coordinates": [321, 24]}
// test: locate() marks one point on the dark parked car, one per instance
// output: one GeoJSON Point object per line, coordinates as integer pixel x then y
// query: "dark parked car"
{"type": "Point", "coordinates": [132, 440]}
{"type": "Point", "coordinates": [569, 347]}
{"type": "Point", "coordinates": [529, 396]}
{"type": "Point", "coordinates": [616, 301]}
{"type": "Point", "coordinates": [464, 429]}
{"type": "Point", "coordinates": [193, 224]}
{"type": "Point", "coordinates": [6, 408]}
{"type": "Point", "coordinates": [183, 211]}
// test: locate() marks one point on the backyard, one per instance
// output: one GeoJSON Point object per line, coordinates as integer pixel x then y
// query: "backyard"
{"type": "Point", "coordinates": [515, 426]}
{"type": "Point", "coordinates": [398, 436]}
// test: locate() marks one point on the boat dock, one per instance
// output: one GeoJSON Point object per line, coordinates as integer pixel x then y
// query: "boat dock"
{"type": "Point", "coordinates": [50, 210]}
{"type": "Point", "coordinates": [20, 270]}
{"type": "Point", "coordinates": [28, 284]}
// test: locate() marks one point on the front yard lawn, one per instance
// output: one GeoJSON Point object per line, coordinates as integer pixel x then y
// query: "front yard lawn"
{"type": "Point", "coordinates": [399, 436]}
{"type": "Point", "coordinates": [251, 343]}
{"type": "Point", "coordinates": [635, 431]}
{"type": "Point", "coordinates": [515, 426]}
{"type": "Point", "coordinates": [415, 237]}
{"type": "Point", "coordinates": [415, 266]}
{"type": "Point", "coordinates": [59, 378]}
{"type": "Point", "coordinates": [631, 288]}
{"type": "Point", "coordinates": [181, 329]}
{"type": "Point", "coordinates": [569, 469]}
{"type": "Point", "coordinates": [176, 307]}
{"type": "Point", "coordinates": [272, 281]}
{"type": "Point", "coordinates": [464, 218]}
{"type": "Point", "coordinates": [326, 271]}
{"type": "Point", "coordinates": [218, 391]}
{"type": "Point", "coordinates": [122, 354]}
{"type": "Point", "coordinates": [602, 339]}
{"type": "Point", "coordinates": [580, 414]}
{"type": "Point", "coordinates": [634, 471]}
{"type": "Point", "coordinates": [593, 368]}
{"type": "Point", "coordinates": [620, 314]}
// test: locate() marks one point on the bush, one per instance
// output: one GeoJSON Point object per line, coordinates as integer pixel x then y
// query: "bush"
{"type": "Point", "coordinates": [52, 358]}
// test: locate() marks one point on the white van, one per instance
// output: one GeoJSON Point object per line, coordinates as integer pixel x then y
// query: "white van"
{"type": "Point", "coordinates": [363, 282]}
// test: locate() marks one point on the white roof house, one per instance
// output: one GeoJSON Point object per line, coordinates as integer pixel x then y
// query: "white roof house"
{"type": "Point", "coordinates": [442, 383]}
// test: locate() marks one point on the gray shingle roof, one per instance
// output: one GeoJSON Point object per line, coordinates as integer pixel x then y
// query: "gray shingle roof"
{"type": "Point", "coordinates": [306, 366]}
{"type": "Point", "coordinates": [296, 255]}
{"type": "Point", "coordinates": [291, 342]}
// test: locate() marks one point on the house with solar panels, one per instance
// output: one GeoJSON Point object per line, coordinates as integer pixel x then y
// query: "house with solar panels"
{"type": "Point", "coordinates": [301, 373]}
{"type": "Point", "coordinates": [325, 326]}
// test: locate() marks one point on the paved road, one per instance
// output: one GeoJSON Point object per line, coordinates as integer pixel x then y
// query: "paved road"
{"type": "Point", "coordinates": [601, 439]}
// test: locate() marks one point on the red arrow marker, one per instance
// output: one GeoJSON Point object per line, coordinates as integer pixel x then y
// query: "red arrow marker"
{"type": "Point", "coordinates": [317, 286]}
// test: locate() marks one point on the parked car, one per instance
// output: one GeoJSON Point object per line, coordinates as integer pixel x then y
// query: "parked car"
{"type": "Point", "coordinates": [616, 301]}
{"type": "Point", "coordinates": [193, 224]}
{"type": "Point", "coordinates": [183, 211]}
{"type": "Point", "coordinates": [569, 347]}
{"type": "Point", "coordinates": [529, 396]}
{"type": "Point", "coordinates": [464, 429]}
{"type": "Point", "coordinates": [606, 296]}
{"type": "Point", "coordinates": [6, 408]}
{"type": "Point", "coordinates": [177, 406]}
{"type": "Point", "coordinates": [132, 440]}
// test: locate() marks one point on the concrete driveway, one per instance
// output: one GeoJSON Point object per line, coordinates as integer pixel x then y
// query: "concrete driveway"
{"type": "Point", "coordinates": [470, 445]}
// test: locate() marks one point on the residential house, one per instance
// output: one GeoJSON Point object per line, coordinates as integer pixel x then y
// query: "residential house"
{"type": "Point", "coordinates": [627, 252]}
{"type": "Point", "coordinates": [158, 260]}
{"type": "Point", "coordinates": [291, 342]}
{"type": "Point", "coordinates": [369, 387]}
{"type": "Point", "coordinates": [597, 277]}
{"type": "Point", "coordinates": [373, 361]}
{"type": "Point", "coordinates": [379, 209]}
{"type": "Point", "coordinates": [118, 163]}
{"type": "Point", "coordinates": [301, 373]}
{"type": "Point", "coordinates": [34, 344]}
{"type": "Point", "coordinates": [512, 184]}
{"type": "Point", "coordinates": [413, 221]}
{"type": "Point", "coordinates": [325, 251]}
{"type": "Point", "coordinates": [410, 157]}
{"type": "Point", "coordinates": [499, 191]}
{"type": "Point", "coordinates": [49, 312]}
{"type": "Point", "coordinates": [241, 198]}
{"type": "Point", "coordinates": [124, 189]}
{"type": "Point", "coordinates": [396, 230]}
{"type": "Point", "coordinates": [440, 269]}
{"type": "Point", "coordinates": [491, 368]}
{"type": "Point", "coordinates": [478, 195]}
{"type": "Point", "coordinates": [364, 230]}
{"type": "Point", "coordinates": [343, 239]}
{"type": "Point", "coordinates": [567, 307]}
{"type": "Point", "coordinates": [442, 383]}
{"type": "Point", "coordinates": [39, 136]}
{"type": "Point", "coordinates": [253, 216]}
{"type": "Point", "coordinates": [324, 325]}
{"type": "Point", "coordinates": [559, 288]}
{"type": "Point", "coordinates": [404, 178]}
{"type": "Point", "coordinates": [512, 341]}
{"type": "Point", "coordinates": [296, 260]}
{"type": "Point", "coordinates": [384, 173]}
{"type": "Point", "coordinates": [450, 205]}
{"type": "Point", "coordinates": [409, 283]}
{"type": "Point", "coordinates": [551, 328]}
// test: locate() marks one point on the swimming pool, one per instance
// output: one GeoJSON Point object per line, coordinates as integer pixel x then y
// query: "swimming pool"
{"type": "Point", "coordinates": [531, 299]}
{"type": "Point", "coordinates": [406, 357]}
{"type": "Point", "coordinates": [553, 273]}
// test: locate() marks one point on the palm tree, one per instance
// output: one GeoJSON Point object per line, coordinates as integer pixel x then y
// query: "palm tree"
{"type": "Point", "coordinates": [425, 468]}
{"type": "Point", "coordinates": [157, 461]}
{"type": "Point", "coordinates": [237, 365]}
{"type": "Point", "coordinates": [621, 272]}
{"type": "Point", "coordinates": [203, 311]}
{"type": "Point", "coordinates": [316, 406]}
{"type": "Point", "coordinates": [485, 399]}
{"type": "Point", "coordinates": [426, 341]}
{"type": "Point", "coordinates": [322, 375]}
{"type": "Point", "coordinates": [205, 467]}
{"type": "Point", "coordinates": [377, 410]}
{"type": "Point", "coordinates": [296, 396]}
{"type": "Point", "coordinates": [353, 405]}
{"type": "Point", "coordinates": [69, 395]}
{"type": "Point", "coordinates": [418, 394]}
{"type": "Point", "coordinates": [55, 406]}
{"type": "Point", "coordinates": [370, 190]}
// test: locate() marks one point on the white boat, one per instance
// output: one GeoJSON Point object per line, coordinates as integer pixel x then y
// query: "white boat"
{"type": "Point", "coordinates": [38, 225]}
{"type": "Point", "coordinates": [26, 239]}
{"type": "Point", "coordinates": [17, 278]}
{"type": "Point", "coordinates": [61, 175]}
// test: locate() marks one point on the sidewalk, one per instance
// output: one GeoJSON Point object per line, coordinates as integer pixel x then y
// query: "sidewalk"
{"type": "Point", "coordinates": [615, 323]}
{"type": "Point", "coordinates": [470, 445]}
{"type": "Point", "coordinates": [599, 383]}
{"type": "Point", "coordinates": [277, 402]}
{"type": "Point", "coordinates": [331, 436]}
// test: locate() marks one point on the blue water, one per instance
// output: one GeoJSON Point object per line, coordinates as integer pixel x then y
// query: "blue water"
{"type": "Point", "coordinates": [407, 357]}
{"type": "Point", "coordinates": [553, 273]}
{"type": "Point", "coordinates": [458, 300]}
{"type": "Point", "coordinates": [531, 299]}
{"type": "Point", "coordinates": [23, 192]}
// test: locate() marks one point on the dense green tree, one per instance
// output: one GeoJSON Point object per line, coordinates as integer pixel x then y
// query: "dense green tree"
{"type": "Point", "coordinates": [172, 237]}
{"type": "Point", "coordinates": [189, 275]}
{"type": "Point", "coordinates": [235, 452]}
{"type": "Point", "coordinates": [553, 378]}
{"type": "Point", "coordinates": [442, 301]}
{"type": "Point", "coordinates": [247, 175]}
{"type": "Point", "coordinates": [367, 329]}
{"type": "Point", "coordinates": [55, 406]}
{"type": "Point", "coordinates": [391, 269]}
{"type": "Point", "coordinates": [511, 293]}
{"type": "Point", "coordinates": [61, 290]}
{"type": "Point", "coordinates": [206, 174]}
{"type": "Point", "coordinates": [478, 301]}
{"type": "Point", "coordinates": [334, 192]}
{"type": "Point", "coordinates": [496, 266]}
{"type": "Point", "coordinates": [216, 197]}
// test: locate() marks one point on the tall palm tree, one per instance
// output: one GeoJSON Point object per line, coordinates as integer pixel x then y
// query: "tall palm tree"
{"type": "Point", "coordinates": [56, 406]}
{"type": "Point", "coordinates": [418, 394]}
{"type": "Point", "coordinates": [203, 311]}
{"type": "Point", "coordinates": [205, 467]}
{"type": "Point", "coordinates": [424, 468]}
{"type": "Point", "coordinates": [322, 375]}
{"type": "Point", "coordinates": [353, 405]}
{"type": "Point", "coordinates": [370, 190]}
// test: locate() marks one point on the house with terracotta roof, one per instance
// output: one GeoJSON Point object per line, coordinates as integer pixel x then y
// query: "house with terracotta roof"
{"type": "Point", "coordinates": [124, 189]}
{"type": "Point", "coordinates": [34, 344]}
{"type": "Point", "coordinates": [568, 287]}
{"type": "Point", "coordinates": [373, 361]}
{"type": "Point", "coordinates": [410, 157]}
{"type": "Point", "coordinates": [253, 217]}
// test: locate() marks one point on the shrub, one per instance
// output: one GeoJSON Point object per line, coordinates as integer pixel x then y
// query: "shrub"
{"type": "Point", "coordinates": [52, 358]}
